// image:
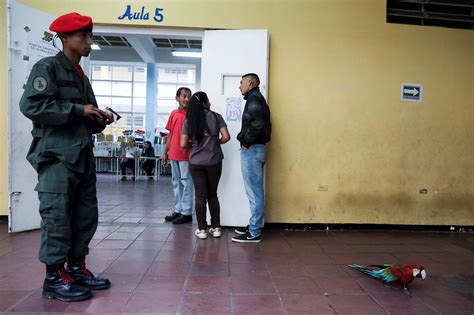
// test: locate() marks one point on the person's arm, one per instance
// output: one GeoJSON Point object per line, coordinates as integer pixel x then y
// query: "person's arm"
{"type": "Point", "coordinates": [225, 136]}
{"type": "Point", "coordinates": [184, 141]}
{"type": "Point", "coordinates": [41, 104]}
{"type": "Point", "coordinates": [164, 155]}
{"type": "Point", "coordinates": [256, 125]}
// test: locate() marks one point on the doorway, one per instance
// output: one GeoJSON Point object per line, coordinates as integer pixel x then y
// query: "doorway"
{"type": "Point", "coordinates": [226, 55]}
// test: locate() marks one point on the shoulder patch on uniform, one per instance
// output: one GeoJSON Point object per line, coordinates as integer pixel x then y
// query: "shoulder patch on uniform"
{"type": "Point", "coordinates": [40, 84]}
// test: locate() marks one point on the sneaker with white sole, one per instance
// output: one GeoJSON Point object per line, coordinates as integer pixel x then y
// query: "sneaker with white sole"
{"type": "Point", "coordinates": [247, 238]}
{"type": "Point", "coordinates": [202, 234]}
{"type": "Point", "coordinates": [215, 232]}
{"type": "Point", "coordinates": [241, 230]}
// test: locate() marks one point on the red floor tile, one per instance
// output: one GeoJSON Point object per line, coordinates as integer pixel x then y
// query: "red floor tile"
{"type": "Point", "coordinates": [257, 304]}
{"type": "Point", "coordinates": [113, 244]}
{"type": "Point", "coordinates": [8, 298]}
{"type": "Point", "coordinates": [339, 286]}
{"type": "Point", "coordinates": [326, 271]}
{"type": "Point", "coordinates": [253, 268]}
{"type": "Point", "coordinates": [127, 267]}
{"type": "Point", "coordinates": [300, 304]}
{"type": "Point", "coordinates": [209, 269]}
{"type": "Point", "coordinates": [284, 270]}
{"type": "Point", "coordinates": [216, 304]}
{"type": "Point", "coordinates": [174, 255]}
{"type": "Point", "coordinates": [399, 303]}
{"type": "Point", "coordinates": [153, 302]}
{"type": "Point", "coordinates": [102, 302]}
{"type": "Point", "coordinates": [296, 285]}
{"type": "Point", "coordinates": [161, 283]}
{"type": "Point", "coordinates": [355, 304]}
{"type": "Point", "coordinates": [123, 282]}
{"type": "Point", "coordinates": [248, 284]}
{"type": "Point", "coordinates": [36, 303]}
{"type": "Point", "coordinates": [168, 268]}
{"type": "Point", "coordinates": [123, 236]}
{"type": "Point", "coordinates": [208, 285]}
{"type": "Point", "coordinates": [142, 255]}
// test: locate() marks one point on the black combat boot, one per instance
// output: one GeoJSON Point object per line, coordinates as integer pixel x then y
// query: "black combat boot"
{"type": "Point", "coordinates": [81, 275]}
{"type": "Point", "coordinates": [58, 284]}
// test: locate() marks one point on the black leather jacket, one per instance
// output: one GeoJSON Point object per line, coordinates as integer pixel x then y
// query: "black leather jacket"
{"type": "Point", "coordinates": [256, 124]}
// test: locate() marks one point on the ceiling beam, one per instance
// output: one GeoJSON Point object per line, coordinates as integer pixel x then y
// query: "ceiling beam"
{"type": "Point", "coordinates": [143, 46]}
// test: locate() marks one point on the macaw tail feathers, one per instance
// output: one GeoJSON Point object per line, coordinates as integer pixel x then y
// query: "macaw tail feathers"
{"type": "Point", "coordinates": [362, 269]}
{"type": "Point", "coordinates": [380, 273]}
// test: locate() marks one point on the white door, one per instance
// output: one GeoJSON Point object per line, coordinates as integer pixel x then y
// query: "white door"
{"type": "Point", "coordinates": [29, 41]}
{"type": "Point", "coordinates": [226, 56]}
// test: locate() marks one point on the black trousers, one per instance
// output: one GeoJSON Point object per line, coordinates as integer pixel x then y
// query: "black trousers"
{"type": "Point", "coordinates": [206, 179]}
{"type": "Point", "coordinates": [148, 167]}
{"type": "Point", "coordinates": [130, 163]}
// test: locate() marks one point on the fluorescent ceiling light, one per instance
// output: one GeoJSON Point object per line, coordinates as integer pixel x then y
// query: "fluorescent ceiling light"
{"type": "Point", "coordinates": [190, 54]}
{"type": "Point", "coordinates": [95, 47]}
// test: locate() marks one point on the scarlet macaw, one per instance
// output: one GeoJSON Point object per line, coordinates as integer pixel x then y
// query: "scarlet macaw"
{"type": "Point", "coordinates": [394, 273]}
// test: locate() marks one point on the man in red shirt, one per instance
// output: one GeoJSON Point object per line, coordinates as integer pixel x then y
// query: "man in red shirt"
{"type": "Point", "coordinates": [182, 181]}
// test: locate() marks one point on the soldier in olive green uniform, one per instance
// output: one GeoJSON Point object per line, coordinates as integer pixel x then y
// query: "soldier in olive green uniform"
{"type": "Point", "coordinates": [58, 98]}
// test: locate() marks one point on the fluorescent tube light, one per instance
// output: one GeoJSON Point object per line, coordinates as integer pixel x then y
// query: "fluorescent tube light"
{"type": "Point", "coordinates": [95, 47]}
{"type": "Point", "coordinates": [190, 54]}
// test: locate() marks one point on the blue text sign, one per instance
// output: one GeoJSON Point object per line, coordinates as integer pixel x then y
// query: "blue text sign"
{"type": "Point", "coordinates": [142, 14]}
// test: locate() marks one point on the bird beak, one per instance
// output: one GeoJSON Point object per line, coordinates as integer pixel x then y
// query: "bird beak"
{"type": "Point", "coordinates": [417, 273]}
{"type": "Point", "coordinates": [423, 274]}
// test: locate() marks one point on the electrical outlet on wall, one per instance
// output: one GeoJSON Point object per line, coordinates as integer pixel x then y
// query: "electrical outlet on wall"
{"type": "Point", "coordinates": [323, 187]}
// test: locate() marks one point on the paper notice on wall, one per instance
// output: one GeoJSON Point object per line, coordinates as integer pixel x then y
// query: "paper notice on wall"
{"type": "Point", "coordinates": [39, 45]}
{"type": "Point", "coordinates": [234, 109]}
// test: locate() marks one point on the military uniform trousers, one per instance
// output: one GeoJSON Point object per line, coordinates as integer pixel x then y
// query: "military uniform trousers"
{"type": "Point", "coordinates": [68, 209]}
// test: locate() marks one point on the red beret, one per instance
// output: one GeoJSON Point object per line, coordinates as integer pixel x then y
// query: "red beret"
{"type": "Point", "coordinates": [71, 22]}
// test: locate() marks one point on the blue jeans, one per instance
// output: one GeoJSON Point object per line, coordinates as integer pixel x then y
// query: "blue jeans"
{"type": "Point", "coordinates": [183, 187]}
{"type": "Point", "coordinates": [252, 162]}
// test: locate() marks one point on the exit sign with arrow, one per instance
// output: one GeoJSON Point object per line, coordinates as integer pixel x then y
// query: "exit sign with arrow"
{"type": "Point", "coordinates": [411, 92]}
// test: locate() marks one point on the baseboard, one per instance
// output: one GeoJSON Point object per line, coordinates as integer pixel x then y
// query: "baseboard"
{"type": "Point", "coordinates": [369, 227]}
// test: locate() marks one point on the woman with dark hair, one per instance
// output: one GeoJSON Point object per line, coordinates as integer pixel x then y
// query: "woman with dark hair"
{"type": "Point", "coordinates": [149, 164]}
{"type": "Point", "coordinates": [204, 131]}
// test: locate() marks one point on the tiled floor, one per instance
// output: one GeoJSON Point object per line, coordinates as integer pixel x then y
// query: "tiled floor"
{"type": "Point", "coordinates": [158, 268]}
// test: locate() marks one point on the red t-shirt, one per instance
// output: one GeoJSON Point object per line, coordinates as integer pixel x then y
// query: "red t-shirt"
{"type": "Point", "coordinates": [175, 127]}
{"type": "Point", "coordinates": [80, 73]}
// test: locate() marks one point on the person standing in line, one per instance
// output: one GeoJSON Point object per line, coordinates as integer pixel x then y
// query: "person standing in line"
{"type": "Point", "coordinates": [183, 188]}
{"type": "Point", "coordinates": [204, 131]}
{"type": "Point", "coordinates": [59, 100]}
{"type": "Point", "coordinates": [254, 135]}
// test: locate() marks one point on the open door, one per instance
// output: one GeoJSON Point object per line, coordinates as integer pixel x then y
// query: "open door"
{"type": "Point", "coordinates": [29, 41]}
{"type": "Point", "coordinates": [226, 56]}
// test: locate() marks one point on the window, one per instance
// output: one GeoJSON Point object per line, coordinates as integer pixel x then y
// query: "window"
{"type": "Point", "coordinates": [444, 13]}
{"type": "Point", "coordinates": [170, 79]}
{"type": "Point", "coordinates": [122, 87]}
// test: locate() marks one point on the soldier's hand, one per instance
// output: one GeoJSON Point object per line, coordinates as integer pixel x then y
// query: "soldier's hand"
{"type": "Point", "coordinates": [92, 112]}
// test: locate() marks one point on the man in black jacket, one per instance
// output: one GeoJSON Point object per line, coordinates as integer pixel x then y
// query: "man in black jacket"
{"type": "Point", "coordinates": [255, 133]}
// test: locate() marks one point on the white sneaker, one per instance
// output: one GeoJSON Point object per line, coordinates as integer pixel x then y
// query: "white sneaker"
{"type": "Point", "coordinates": [202, 234]}
{"type": "Point", "coordinates": [215, 232]}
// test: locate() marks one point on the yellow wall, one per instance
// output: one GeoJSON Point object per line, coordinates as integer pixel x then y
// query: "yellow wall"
{"type": "Point", "coordinates": [3, 111]}
{"type": "Point", "coordinates": [334, 91]}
